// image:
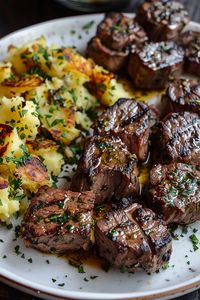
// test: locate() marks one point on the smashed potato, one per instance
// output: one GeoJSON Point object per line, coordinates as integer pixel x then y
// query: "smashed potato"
{"type": "Point", "coordinates": [32, 173]}
{"type": "Point", "coordinates": [21, 115]}
{"type": "Point", "coordinates": [47, 150]}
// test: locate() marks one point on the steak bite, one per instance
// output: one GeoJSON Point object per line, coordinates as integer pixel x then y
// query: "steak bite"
{"type": "Point", "coordinates": [175, 192]}
{"type": "Point", "coordinates": [190, 40]}
{"type": "Point", "coordinates": [162, 20]}
{"type": "Point", "coordinates": [182, 95]}
{"type": "Point", "coordinates": [152, 66]}
{"type": "Point", "coordinates": [116, 36]}
{"type": "Point", "coordinates": [177, 139]}
{"type": "Point", "coordinates": [118, 31]}
{"type": "Point", "coordinates": [133, 238]}
{"type": "Point", "coordinates": [107, 168]}
{"type": "Point", "coordinates": [112, 60]}
{"type": "Point", "coordinates": [129, 120]}
{"type": "Point", "coordinates": [58, 220]}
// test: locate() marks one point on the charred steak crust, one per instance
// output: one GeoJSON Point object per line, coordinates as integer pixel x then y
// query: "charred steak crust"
{"type": "Point", "coordinates": [162, 20]}
{"type": "Point", "coordinates": [129, 120]}
{"type": "Point", "coordinates": [116, 36]}
{"type": "Point", "coordinates": [110, 59]}
{"type": "Point", "coordinates": [118, 31]}
{"type": "Point", "coordinates": [190, 40]}
{"type": "Point", "coordinates": [58, 220]}
{"type": "Point", "coordinates": [153, 65]}
{"type": "Point", "coordinates": [177, 139]}
{"type": "Point", "coordinates": [175, 192]}
{"type": "Point", "coordinates": [133, 238]}
{"type": "Point", "coordinates": [107, 168]}
{"type": "Point", "coordinates": [182, 95]}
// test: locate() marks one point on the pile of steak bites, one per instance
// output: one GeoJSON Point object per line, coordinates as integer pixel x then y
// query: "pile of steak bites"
{"type": "Point", "coordinates": [133, 234]}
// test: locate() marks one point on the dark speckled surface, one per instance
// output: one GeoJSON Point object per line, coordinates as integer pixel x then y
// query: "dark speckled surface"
{"type": "Point", "coordinates": [15, 14]}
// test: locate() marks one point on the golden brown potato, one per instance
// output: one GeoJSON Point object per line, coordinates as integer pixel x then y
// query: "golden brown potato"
{"type": "Point", "coordinates": [48, 151]}
{"type": "Point", "coordinates": [33, 174]}
{"type": "Point", "coordinates": [12, 88]}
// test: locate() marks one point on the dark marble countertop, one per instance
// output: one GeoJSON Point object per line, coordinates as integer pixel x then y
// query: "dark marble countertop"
{"type": "Point", "coordinates": [15, 14]}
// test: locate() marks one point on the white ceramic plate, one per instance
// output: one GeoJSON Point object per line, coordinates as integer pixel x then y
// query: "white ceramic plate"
{"type": "Point", "coordinates": [182, 276]}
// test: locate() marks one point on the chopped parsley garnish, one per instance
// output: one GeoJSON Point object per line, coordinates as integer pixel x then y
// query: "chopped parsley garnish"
{"type": "Point", "coordinates": [88, 25]}
{"type": "Point", "coordinates": [81, 269]}
{"type": "Point", "coordinates": [194, 241]}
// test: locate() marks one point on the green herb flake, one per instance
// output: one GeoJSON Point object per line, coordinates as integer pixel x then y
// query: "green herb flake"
{"type": "Point", "coordinates": [194, 241]}
{"type": "Point", "coordinates": [88, 25]}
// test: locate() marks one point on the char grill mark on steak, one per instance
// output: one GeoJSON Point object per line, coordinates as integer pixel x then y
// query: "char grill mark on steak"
{"type": "Point", "coordinates": [182, 95]}
{"type": "Point", "coordinates": [58, 220]}
{"type": "Point", "coordinates": [175, 192]}
{"type": "Point", "coordinates": [107, 168]}
{"type": "Point", "coordinates": [129, 120]}
{"type": "Point", "coordinates": [162, 20]}
{"type": "Point", "coordinates": [153, 65]}
{"type": "Point", "coordinates": [190, 40]}
{"type": "Point", "coordinates": [177, 139]}
{"type": "Point", "coordinates": [118, 31]}
{"type": "Point", "coordinates": [133, 239]}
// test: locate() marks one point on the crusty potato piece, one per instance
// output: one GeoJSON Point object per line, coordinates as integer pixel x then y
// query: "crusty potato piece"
{"type": "Point", "coordinates": [7, 206]}
{"type": "Point", "coordinates": [5, 71]}
{"type": "Point", "coordinates": [10, 144]}
{"type": "Point", "coordinates": [32, 173]}
{"type": "Point", "coordinates": [12, 88]}
{"type": "Point", "coordinates": [64, 59]}
{"type": "Point", "coordinates": [29, 55]}
{"type": "Point", "coordinates": [23, 115]}
{"type": "Point", "coordinates": [57, 110]}
{"type": "Point", "coordinates": [106, 88]}
{"type": "Point", "coordinates": [47, 150]}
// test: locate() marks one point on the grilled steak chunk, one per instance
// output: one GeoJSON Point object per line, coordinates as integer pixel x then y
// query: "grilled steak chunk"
{"type": "Point", "coordinates": [107, 168]}
{"type": "Point", "coordinates": [116, 35]}
{"type": "Point", "coordinates": [190, 40]}
{"type": "Point", "coordinates": [129, 120]}
{"type": "Point", "coordinates": [177, 139]}
{"type": "Point", "coordinates": [182, 95]}
{"type": "Point", "coordinates": [118, 31]}
{"type": "Point", "coordinates": [175, 192]}
{"type": "Point", "coordinates": [110, 59]}
{"type": "Point", "coordinates": [162, 20]}
{"type": "Point", "coordinates": [133, 238]}
{"type": "Point", "coordinates": [153, 65]}
{"type": "Point", "coordinates": [58, 220]}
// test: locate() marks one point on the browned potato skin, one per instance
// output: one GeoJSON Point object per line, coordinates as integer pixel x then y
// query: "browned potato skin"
{"type": "Point", "coordinates": [9, 88]}
{"type": "Point", "coordinates": [44, 144]}
{"type": "Point", "coordinates": [3, 183]}
{"type": "Point", "coordinates": [5, 131]}
{"type": "Point", "coordinates": [33, 170]}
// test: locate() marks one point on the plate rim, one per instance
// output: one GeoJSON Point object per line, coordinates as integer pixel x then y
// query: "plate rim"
{"type": "Point", "coordinates": [41, 290]}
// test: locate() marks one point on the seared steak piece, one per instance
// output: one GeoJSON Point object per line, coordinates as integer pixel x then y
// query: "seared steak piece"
{"type": "Point", "coordinates": [162, 20]}
{"type": "Point", "coordinates": [133, 238]}
{"type": "Point", "coordinates": [182, 95]}
{"type": "Point", "coordinates": [177, 139]}
{"type": "Point", "coordinates": [118, 31]}
{"type": "Point", "coordinates": [107, 168]}
{"type": "Point", "coordinates": [129, 120]}
{"type": "Point", "coordinates": [152, 66]}
{"type": "Point", "coordinates": [190, 40]}
{"type": "Point", "coordinates": [58, 220]}
{"type": "Point", "coordinates": [116, 36]}
{"type": "Point", "coordinates": [175, 192]}
{"type": "Point", "coordinates": [112, 60]}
